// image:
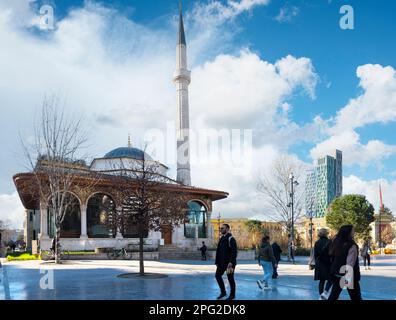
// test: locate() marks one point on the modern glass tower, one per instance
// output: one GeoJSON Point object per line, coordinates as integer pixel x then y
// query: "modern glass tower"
{"type": "Point", "coordinates": [323, 184]}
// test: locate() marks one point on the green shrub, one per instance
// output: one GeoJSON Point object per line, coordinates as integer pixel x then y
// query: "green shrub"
{"type": "Point", "coordinates": [22, 256]}
{"type": "Point", "coordinates": [81, 252]}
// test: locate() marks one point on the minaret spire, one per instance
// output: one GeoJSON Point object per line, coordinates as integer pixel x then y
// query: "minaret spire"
{"type": "Point", "coordinates": [182, 79]}
{"type": "Point", "coordinates": [181, 35]}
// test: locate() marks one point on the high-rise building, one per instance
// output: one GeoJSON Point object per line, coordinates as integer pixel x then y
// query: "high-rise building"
{"type": "Point", "coordinates": [323, 184]}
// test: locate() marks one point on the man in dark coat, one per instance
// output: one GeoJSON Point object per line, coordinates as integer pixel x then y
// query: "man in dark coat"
{"type": "Point", "coordinates": [322, 263]}
{"type": "Point", "coordinates": [226, 255]}
{"type": "Point", "coordinates": [277, 253]}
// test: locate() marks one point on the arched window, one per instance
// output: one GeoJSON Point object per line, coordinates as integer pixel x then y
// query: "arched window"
{"type": "Point", "coordinates": [71, 224]}
{"type": "Point", "coordinates": [196, 216]}
{"type": "Point", "coordinates": [101, 217]}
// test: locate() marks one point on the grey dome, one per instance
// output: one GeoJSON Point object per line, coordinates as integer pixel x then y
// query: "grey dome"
{"type": "Point", "coordinates": [128, 152]}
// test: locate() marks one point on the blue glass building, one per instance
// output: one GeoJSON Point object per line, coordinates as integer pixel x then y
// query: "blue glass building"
{"type": "Point", "coordinates": [323, 184]}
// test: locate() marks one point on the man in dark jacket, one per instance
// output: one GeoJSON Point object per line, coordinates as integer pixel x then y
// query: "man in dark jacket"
{"type": "Point", "coordinates": [226, 255]}
{"type": "Point", "coordinates": [277, 254]}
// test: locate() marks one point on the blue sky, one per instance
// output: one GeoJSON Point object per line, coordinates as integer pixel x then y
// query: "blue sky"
{"type": "Point", "coordinates": [337, 86]}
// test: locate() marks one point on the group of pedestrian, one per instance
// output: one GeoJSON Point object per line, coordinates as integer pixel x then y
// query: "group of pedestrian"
{"type": "Point", "coordinates": [337, 263]}
{"type": "Point", "coordinates": [226, 254]}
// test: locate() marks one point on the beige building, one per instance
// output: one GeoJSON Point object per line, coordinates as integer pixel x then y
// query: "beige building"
{"type": "Point", "coordinates": [245, 238]}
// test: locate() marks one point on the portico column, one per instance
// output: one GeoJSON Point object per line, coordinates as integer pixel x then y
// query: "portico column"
{"type": "Point", "coordinates": [43, 221]}
{"type": "Point", "coordinates": [209, 227]}
{"type": "Point", "coordinates": [196, 235]}
{"type": "Point", "coordinates": [83, 211]}
{"type": "Point", "coordinates": [119, 234]}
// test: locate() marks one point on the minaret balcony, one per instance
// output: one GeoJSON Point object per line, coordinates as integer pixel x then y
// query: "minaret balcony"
{"type": "Point", "coordinates": [182, 75]}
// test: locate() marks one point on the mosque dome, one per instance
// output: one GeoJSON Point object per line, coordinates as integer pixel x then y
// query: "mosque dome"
{"type": "Point", "coordinates": [128, 152]}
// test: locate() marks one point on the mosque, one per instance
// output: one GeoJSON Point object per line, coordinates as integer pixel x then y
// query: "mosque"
{"type": "Point", "coordinates": [83, 227]}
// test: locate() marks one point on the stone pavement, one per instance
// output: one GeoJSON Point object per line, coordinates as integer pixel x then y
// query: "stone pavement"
{"type": "Point", "coordinates": [187, 280]}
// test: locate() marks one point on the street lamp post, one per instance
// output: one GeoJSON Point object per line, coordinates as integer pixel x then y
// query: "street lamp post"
{"type": "Point", "coordinates": [291, 204]}
{"type": "Point", "coordinates": [218, 222]}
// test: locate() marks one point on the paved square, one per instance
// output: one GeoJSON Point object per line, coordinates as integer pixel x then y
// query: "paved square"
{"type": "Point", "coordinates": [187, 280]}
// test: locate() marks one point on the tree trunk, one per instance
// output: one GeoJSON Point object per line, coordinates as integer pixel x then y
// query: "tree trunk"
{"type": "Point", "coordinates": [57, 246]}
{"type": "Point", "coordinates": [141, 258]}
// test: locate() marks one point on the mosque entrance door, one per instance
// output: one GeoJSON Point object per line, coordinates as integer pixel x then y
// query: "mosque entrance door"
{"type": "Point", "coordinates": [167, 234]}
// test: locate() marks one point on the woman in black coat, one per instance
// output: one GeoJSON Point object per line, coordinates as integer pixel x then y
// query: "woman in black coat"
{"type": "Point", "coordinates": [322, 262]}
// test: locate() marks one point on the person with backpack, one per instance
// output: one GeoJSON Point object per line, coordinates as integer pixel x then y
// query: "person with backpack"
{"type": "Point", "coordinates": [365, 253]}
{"type": "Point", "coordinates": [322, 263]}
{"type": "Point", "coordinates": [266, 260]}
{"type": "Point", "coordinates": [345, 269]}
{"type": "Point", "coordinates": [226, 255]}
{"type": "Point", "coordinates": [277, 254]}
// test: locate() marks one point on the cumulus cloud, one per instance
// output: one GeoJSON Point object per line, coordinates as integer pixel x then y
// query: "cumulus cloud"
{"type": "Point", "coordinates": [370, 188]}
{"type": "Point", "coordinates": [117, 73]}
{"type": "Point", "coordinates": [376, 104]}
{"type": "Point", "coordinates": [11, 210]}
{"type": "Point", "coordinates": [354, 150]}
{"type": "Point", "coordinates": [245, 91]}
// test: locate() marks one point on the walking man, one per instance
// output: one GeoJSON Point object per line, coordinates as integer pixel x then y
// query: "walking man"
{"type": "Point", "coordinates": [226, 255]}
{"type": "Point", "coordinates": [277, 254]}
{"type": "Point", "coordinates": [203, 250]}
{"type": "Point", "coordinates": [266, 260]}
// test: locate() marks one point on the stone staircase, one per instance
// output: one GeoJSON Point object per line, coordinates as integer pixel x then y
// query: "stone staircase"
{"type": "Point", "coordinates": [172, 252]}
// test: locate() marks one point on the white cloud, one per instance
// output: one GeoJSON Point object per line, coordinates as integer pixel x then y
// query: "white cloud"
{"type": "Point", "coordinates": [245, 91]}
{"type": "Point", "coordinates": [218, 12]}
{"type": "Point", "coordinates": [11, 210]}
{"type": "Point", "coordinates": [287, 13]}
{"type": "Point", "coordinates": [376, 104]}
{"type": "Point", "coordinates": [118, 73]}
{"type": "Point", "coordinates": [355, 185]}
{"type": "Point", "coordinates": [353, 150]}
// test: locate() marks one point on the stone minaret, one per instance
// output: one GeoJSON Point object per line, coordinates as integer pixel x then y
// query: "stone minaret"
{"type": "Point", "coordinates": [182, 78]}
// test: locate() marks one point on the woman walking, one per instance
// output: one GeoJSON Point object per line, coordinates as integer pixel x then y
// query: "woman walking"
{"type": "Point", "coordinates": [365, 253]}
{"type": "Point", "coordinates": [345, 264]}
{"type": "Point", "coordinates": [323, 263]}
{"type": "Point", "coordinates": [266, 260]}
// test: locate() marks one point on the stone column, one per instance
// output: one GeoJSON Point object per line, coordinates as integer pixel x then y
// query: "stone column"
{"type": "Point", "coordinates": [43, 221]}
{"type": "Point", "coordinates": [209, 228]}
{"type": "Point", "coordinates": [119, 234]}
{"type": "Point", "coordinates": [83, 211]}
{"type": "Point", "coordinates": [196, 235]}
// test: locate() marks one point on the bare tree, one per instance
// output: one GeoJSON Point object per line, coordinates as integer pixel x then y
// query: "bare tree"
{"type": "Point", "coordinates": [52, 157]}
{"type": "Point", "coordinates": [275, 188]}
{"type": "Point", "coordinates": [151, 200]}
